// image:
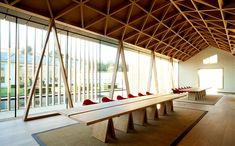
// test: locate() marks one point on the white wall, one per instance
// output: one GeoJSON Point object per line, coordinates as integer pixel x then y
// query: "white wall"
{"type": "Point", "coordinates": [188, 70]}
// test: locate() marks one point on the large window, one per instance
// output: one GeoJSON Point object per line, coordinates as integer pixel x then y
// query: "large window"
{"type": "Point", "coordinates": [138, 65]}
{"type": "Point", "coordinates": [211, 78]}
{"type": "Point", "coordinates": [89, 64]}
{"type": "Point", "coordinates": [167, 75]}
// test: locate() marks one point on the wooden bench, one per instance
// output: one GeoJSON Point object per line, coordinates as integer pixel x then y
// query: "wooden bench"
{"type": "Point", "coordinates": [101, 119]}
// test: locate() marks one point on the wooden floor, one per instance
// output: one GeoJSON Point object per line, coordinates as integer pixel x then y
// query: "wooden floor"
{"type": "Point", "coordinates": [216, 128]}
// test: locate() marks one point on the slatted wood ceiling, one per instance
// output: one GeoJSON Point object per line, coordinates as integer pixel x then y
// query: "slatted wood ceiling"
{"type": "Point", "coordinates": [176, 28]}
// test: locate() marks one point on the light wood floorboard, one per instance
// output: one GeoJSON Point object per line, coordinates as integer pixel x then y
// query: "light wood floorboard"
{"type": "Point", "coordinates": [217, 128]}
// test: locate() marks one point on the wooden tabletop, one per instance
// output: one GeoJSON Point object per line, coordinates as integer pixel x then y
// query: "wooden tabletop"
{"type": "Point", "coordinates": [194, 89]}
{"type": "Point", "coordinates": [106, 113]}
{"type": "Point", "coordinates": [94, 107]}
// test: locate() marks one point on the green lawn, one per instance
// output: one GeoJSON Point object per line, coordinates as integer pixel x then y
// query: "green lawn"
{"type": "Point", "coordinates": [12, 93]}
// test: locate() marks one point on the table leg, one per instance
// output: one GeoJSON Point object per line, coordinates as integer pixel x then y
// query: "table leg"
{"type": "Point", "coordinates": [152, 112]}
{"type": "Point", "coordinates": [103, 130]}
{"type": "Point", "coordinates": [169, 106]}
{"type": "Point", "coordinates": [139, 117]}
{"type": "Point", "coordinates": [162, 110]}
{"type": "Point", "coordinates": [124, 123]}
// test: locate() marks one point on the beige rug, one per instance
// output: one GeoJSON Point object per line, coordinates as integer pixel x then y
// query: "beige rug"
{"type": "Point", "coordinates": [167, 130]}
{"type": "Point", "coordinates": [209, 99]}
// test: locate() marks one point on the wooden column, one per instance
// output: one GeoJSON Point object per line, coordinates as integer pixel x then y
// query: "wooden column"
{"type": "Point", "coordinates": [155, 73]}
{"type": "Point", "coordinates": [124, 68]}
{"type": "Point", "coordinates": [64, 75]}
{"type": "Point", "coordinates": [120, 46]}
{"type": "Point", "coordinates": [172, 73]}
{"type": "Point", "coordinates": [150, 71]}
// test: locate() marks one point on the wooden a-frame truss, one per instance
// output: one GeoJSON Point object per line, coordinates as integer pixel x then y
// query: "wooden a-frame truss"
{"type": "Point", "coordinates": [52, 27]}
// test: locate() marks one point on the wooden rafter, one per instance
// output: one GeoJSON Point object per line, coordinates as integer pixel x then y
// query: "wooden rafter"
{"type": "Point", "coordinates": [49, 9]}
{"type": "Point", "coordinates": [188, 20]}
{"type": "Point", "coordinates": [145, 21]}
{"type": "Point", "coordinates": [107, 17]}
{"type": "Point", "coordinates": [127, 21]}
{"type": "Point", "coordinates": [14, 2]}
{"type": "Point", "coordinates": [131, 27]}
{"type": "Point", "coordinates": [220, 2]}
{"type": "Point", "coordinates": [204, 22]}
{"type": "Point", "coordinates": [165, 25]}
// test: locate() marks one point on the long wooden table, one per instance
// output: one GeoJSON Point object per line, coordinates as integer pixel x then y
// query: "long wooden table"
{"type": "Point", "coordinates": [196, 93]}
{"type": "Point", "coordinates": [105, 116]}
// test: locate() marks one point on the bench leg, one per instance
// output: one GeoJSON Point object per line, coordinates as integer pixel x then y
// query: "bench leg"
{"type": "Point", "coordinates": [162, 110]}
{"type": "Point", "coordinates": [169, 106]}
{"type": "Point", "coordinates": [139, 117]}
{"type": "Point", "coordinates": [152, 113]}
{"type": "Point", "coordinates": [103, 130]}
{"type": "Point", "coordinates": [124, 123]}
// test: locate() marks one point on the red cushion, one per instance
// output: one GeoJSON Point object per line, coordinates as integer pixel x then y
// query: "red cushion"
{"type": "Point", "coordinates": [148, 93]}
{"type": "Point", "coordinates": [140, 94]}
{"type": "Point", "coordinates": [119, 97]}
{"type": "Point", "coordinates": [106, 99]}
{"type": "Point", "coordinates": [88, 102]}
{"type": "Point", "coordinates": [131, 96]}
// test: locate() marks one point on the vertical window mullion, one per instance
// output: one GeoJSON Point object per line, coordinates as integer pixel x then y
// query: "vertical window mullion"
{"type": "Point", "coordinates": [70, 67]}
{"type": "Point", "coordinates": [0, 64]}
{"type": "Point", "coordinates": [95, 69]}
{"type": "Point", "coordinates": [47, 73]}
{"type": "Point", "coordinates": [79, 72]}
{"type": "Point", "coordinates": [92, 69]}
{"type": "Point", "coordinates": [53, 74]}
{"type": "Point", "coordinates": [33, 65]}
{"type": "Point", "coordinates": [9, 70]}
{"type": "Point", "coordinates": [59, 75]}
{"type": "Point", "coordinates": [16, 67]}
{"type": "Point", "coordinates": [40, 81]}
{"type": "Point", "coordinates": [25, 67]}
{"type": "Point", "coordinates": [75, 69]}
{"type": "Point", "coordinates": [83, 70]}
{"type": "Point", "coordinates": [88, 69]}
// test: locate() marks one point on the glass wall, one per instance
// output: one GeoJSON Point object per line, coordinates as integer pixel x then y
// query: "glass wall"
{"type": "Point", "coordinates": [7, 64]}
{"type": "Point", "coordinates": [138, 65]}
{"type": "Point", "coordinates": [89, 64]}
{"type": "Point", "coordinates": [106, 67]}
{"type": "Point", "coordinates": [167, 75]}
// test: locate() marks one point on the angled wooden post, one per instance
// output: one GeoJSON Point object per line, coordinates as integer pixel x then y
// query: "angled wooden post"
{"type": "Point", "coordinates": [172, 73]}
{"type": "Point", "coordinates": [124, 68]}
{"type": "Point", "coordinates": [64, 75]}
{"type": "Point", "coordinates": [25, 117]}
{"type": "Point", "coordinates": [155, 73]}
{"type": "Point", "coordinates": [150, 71]}
{"type": "Point", "coordinates": [115, 70]}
